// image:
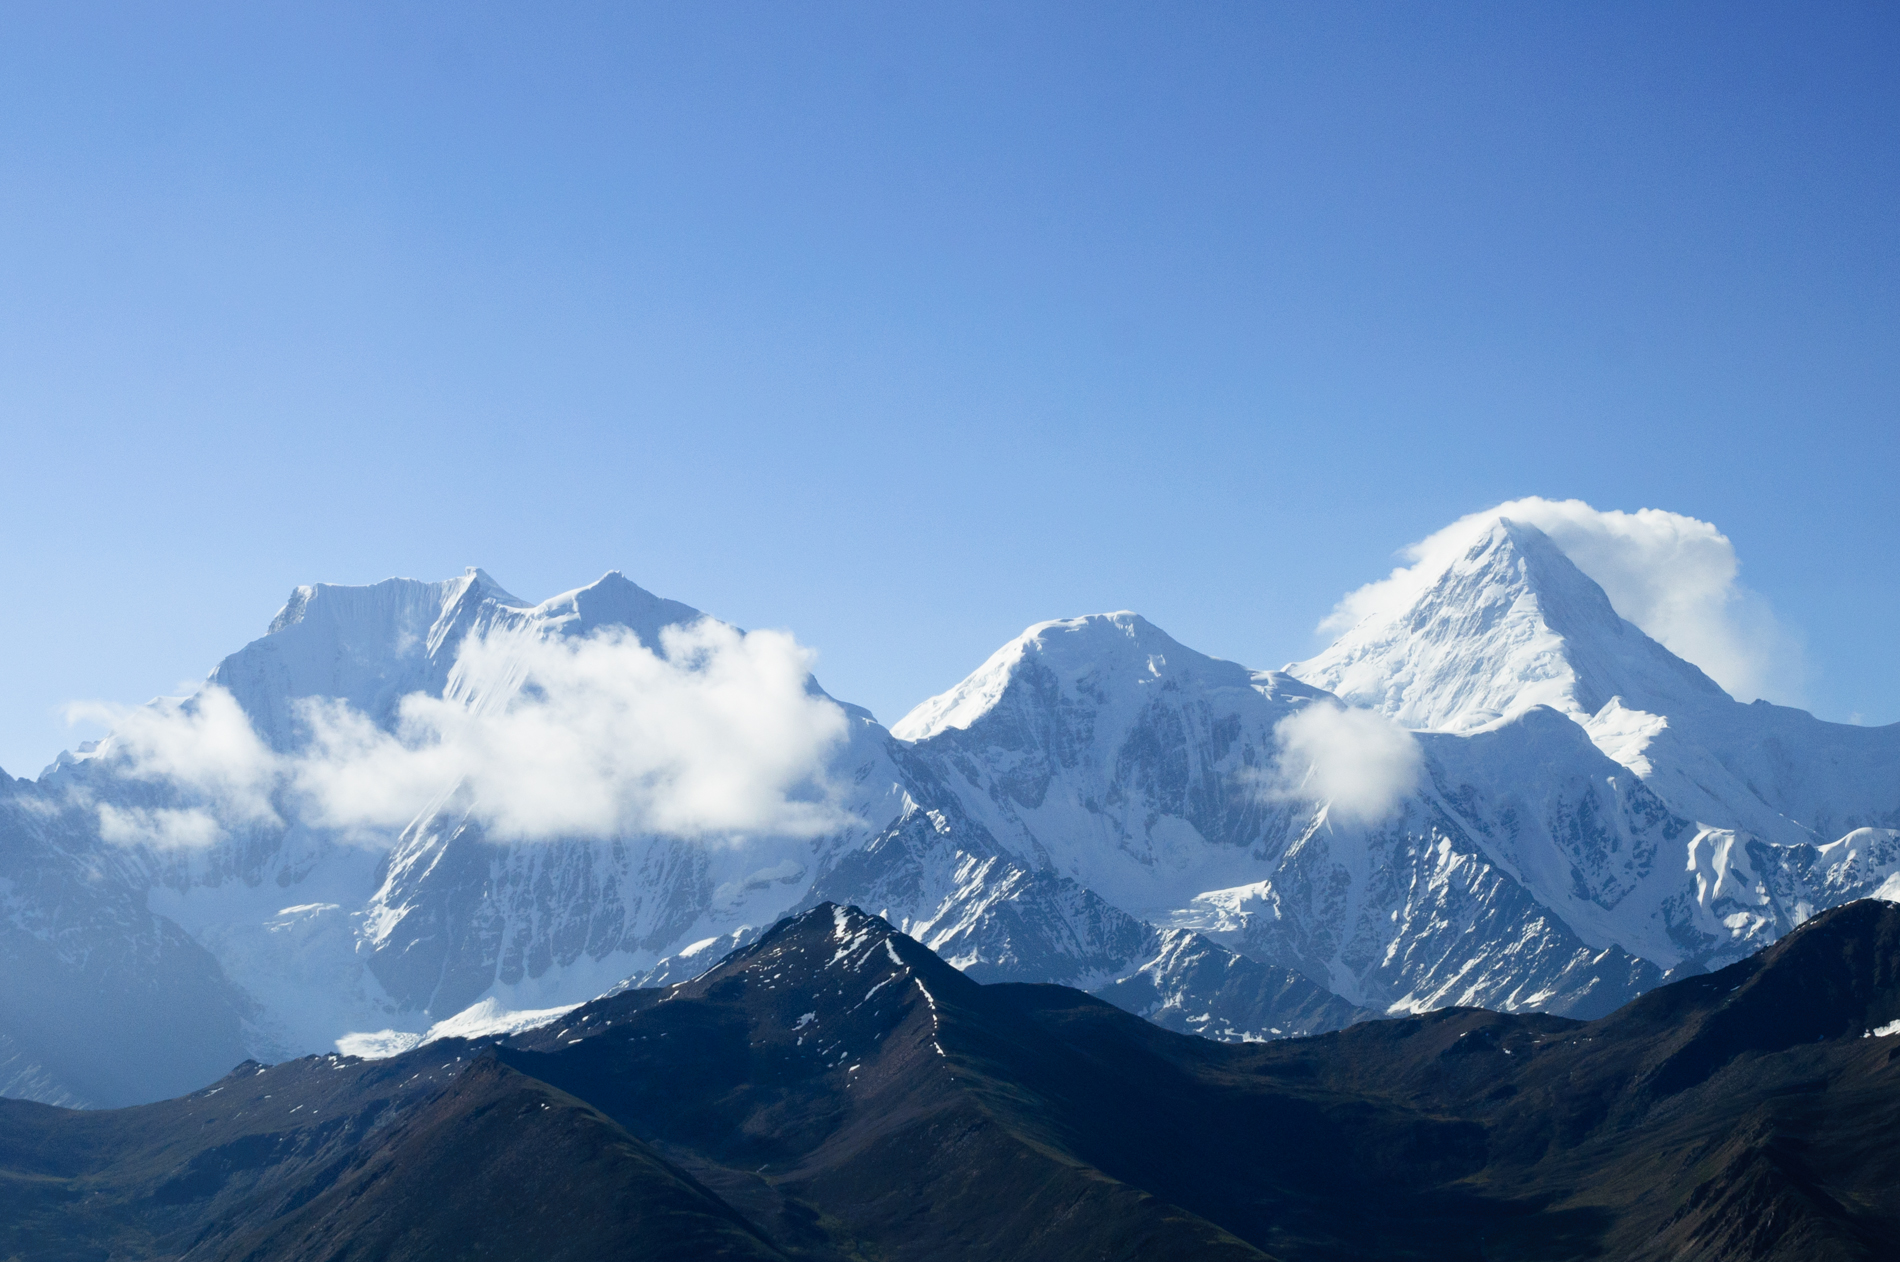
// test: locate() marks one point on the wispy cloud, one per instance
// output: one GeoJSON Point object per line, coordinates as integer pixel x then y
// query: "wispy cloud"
{"type": "Point", "coordinates": [715, 735]}
{"type": "Point", "coordinates": [204, 748]}
{"type": "Point", "coordinates": [1359, 763]}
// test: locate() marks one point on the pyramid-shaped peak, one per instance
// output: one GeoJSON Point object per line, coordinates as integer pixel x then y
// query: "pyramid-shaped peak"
{"type": "Point", "coordinates": [1510, 560]}
{"type": "Point", "coordinates": [1489, 629]}
{"type": "Point", "coordinates": [480, 579]}
{"type": "Point", "coordinates": [825, 944]}
{"type": "Point", "coordinates": [613, 599]}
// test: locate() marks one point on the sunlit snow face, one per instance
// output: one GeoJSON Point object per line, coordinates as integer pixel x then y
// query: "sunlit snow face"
{"type": "Point", "coordinates": [1674, 576]}
{"type": "Point", "coordinates": [714, 735]}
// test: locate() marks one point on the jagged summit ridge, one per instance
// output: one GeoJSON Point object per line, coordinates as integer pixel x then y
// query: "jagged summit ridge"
{"type": "Point", "coordinates": [371, 646]}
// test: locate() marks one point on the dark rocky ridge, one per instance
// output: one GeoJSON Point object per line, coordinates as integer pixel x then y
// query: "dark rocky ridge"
{"type": "Point", "coordinates": [836, 1091]}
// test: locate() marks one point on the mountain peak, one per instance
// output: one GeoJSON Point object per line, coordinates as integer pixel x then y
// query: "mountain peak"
{"type": "Point", "coordinates": [480, 578]}
{"type": "Point", "coordinates": [613, 599]}
{"type": "Point", "coordinates": [370, 646]}
{"type": "Point", "coordinates": [819, 984]}
{"type": "Point", "coordinates": [828, 938]}
{"type": "Point", "coordinates": [1063, 653]}
{"type": "Point", "coordinates": [1509, 622]}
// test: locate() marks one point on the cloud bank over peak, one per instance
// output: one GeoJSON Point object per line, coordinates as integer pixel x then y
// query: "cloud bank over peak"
{"type": "Point", "coordinates": [717, 735]}
{"type": "Point", "coordinates": [1676, 577]}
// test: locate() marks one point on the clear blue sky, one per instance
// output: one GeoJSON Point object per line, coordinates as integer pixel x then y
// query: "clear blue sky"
{"type": "Point", "coordinates": [904, 326]}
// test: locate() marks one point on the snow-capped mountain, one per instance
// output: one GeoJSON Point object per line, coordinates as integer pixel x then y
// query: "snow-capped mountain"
{"type": "Point", "coordinates": [1590, 811]}
{"type": "Point", "coordinates": [331, 932]}
{"type": "Point", "coordinates": [1101, 749]}
{"type": "Point", "coordinates": [1566, 814]}
{"type": "Point", "coordinates": [289, 930]}
{"type": "Point", "coordinates": [1512, 623]}
{"type": "Point", "coordinates": [1784, 814]}
{"type": "Point", "coordinates": [1107, 752]}
{"type": "Point", "coordinates": [1508, 625]}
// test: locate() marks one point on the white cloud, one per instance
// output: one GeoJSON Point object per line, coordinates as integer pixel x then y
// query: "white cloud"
{"type": "Point", "coordinates": [1358, 762]}
{"type": "Point", "coordinates": [596, 736]}
{"type": "Point", "coordinates": [1676, 577]}
{"type": "Point", "coordinates": [204, 747]}
{"type": "Point", "coordinates": [716, 735]}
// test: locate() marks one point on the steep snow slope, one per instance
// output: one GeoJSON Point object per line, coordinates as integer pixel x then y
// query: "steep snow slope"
{"type": "Point", "coordinates": [1512, 623]}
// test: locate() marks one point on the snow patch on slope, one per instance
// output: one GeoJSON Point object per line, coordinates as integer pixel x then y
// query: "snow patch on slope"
{"type": "Point", "coordinates": [487, 1019]}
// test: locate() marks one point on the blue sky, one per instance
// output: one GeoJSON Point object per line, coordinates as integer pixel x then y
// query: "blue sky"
{"type": "Point", "coordinates": [904, 326]}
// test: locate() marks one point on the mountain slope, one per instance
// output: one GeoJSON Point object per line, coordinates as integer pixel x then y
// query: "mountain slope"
{"type": "Point", "coordinates": [823, 1057]}
{"type": "Point", "coordinates": [86, 960]}
{"type": "Point", "coordinates": [1634, 1135]}
{"type": "Point", "coordinates": [1097, 806]}
{"type": "Point", "coordinates": [283, 933]}
{"type": "Point", "coordinates": [836, 1091]}
{"type": "Point", "coordinates": [1102, 751]}
{"type": "Point", "coordinates": [430, 1157]}
{"type": "Point", "coordinates": [1511, 623]}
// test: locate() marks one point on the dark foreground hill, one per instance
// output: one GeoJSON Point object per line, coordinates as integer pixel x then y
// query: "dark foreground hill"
{"type": "Point", "coordinates": [835, 1091]}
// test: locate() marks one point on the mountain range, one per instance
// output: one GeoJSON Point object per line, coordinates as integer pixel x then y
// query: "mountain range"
{"type": "Point", "coordinates": [1561, 816]}
{"type": "Point", "coordinates": [835, 1090]}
